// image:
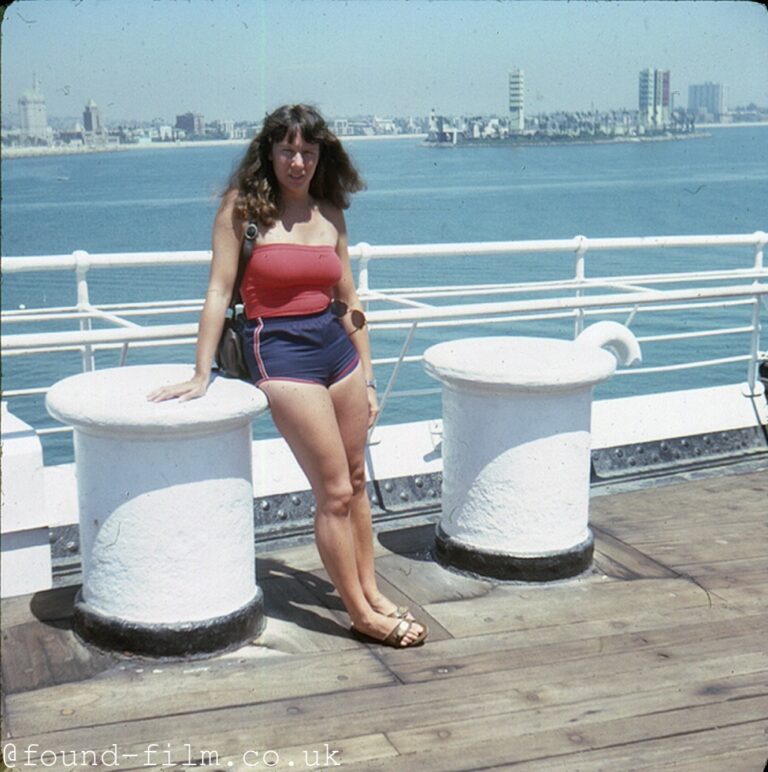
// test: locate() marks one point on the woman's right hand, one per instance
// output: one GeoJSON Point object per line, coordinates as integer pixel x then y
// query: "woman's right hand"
{"type": "Point", "coordinates": [192, 389]}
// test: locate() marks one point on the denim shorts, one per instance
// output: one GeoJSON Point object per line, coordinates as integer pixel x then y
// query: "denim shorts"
{"type": "Point", "coordinates": [311, 349]}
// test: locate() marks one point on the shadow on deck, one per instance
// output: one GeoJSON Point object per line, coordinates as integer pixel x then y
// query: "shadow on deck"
{"type": "Point", "coordinates": [656, 657]}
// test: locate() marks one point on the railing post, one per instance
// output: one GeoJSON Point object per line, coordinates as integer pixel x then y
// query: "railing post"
{"type": "Point", "coordinates": [579, 275]}
{"type": "Point", "coordinates": [82, 264]}
{"type": "Point", "coordinates": [754, 346]}
{"type": "Point", "coordinates": [362, 282]}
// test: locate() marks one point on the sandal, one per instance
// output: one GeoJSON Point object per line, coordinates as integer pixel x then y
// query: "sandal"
{"type": "Point", "coordinates": [402, 612]}
{"type": "Point", "coordinates": [396, 635]}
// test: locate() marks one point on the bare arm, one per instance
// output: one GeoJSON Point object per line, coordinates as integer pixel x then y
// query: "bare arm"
{"type": "Point", "coordinates": [345, 290]}
{"type": "Point", "coordinates": [226, 253]}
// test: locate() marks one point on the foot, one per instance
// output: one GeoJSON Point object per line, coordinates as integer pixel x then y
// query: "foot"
{"type": "Point", "coordinates": [380, 628]}
{"type": "Point", "coordinates": [383, 605]}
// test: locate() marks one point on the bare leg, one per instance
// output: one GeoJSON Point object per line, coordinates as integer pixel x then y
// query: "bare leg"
{"type": "Point", "coordinates": [306, 416]}
{"type": "Point", "coordinates": [352, 416]}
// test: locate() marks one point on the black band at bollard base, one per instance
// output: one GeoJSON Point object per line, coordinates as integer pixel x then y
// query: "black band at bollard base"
{"type": "Point", "coordinates": [547, 567]}
{"type": "Point", "coordinates": [183, 640]}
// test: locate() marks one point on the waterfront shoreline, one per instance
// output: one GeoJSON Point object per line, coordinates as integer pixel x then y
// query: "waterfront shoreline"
{"type": "Point", "coordinates": [564, 142]}
{"type": "Point", "coordinates": [46, 151]}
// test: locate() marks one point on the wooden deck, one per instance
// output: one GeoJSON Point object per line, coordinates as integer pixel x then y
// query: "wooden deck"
{"type": "Point", "coordinates": [656, 658]}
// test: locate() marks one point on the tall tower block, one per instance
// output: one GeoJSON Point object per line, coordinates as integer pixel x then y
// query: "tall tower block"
{"type": "Point", "coordinates": [33, 114]}
{"type": "Point", "coordinates": [516, 100]}
{"type": "Point", "coordinates": [654, 97]}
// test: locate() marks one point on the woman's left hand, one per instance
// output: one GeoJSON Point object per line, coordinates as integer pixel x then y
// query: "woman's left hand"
{"type": "Point", "coordinates": [373, 406]}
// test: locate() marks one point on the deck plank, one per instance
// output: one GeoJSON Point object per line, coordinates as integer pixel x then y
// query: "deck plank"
{"type": "Point", "coordinates": [325, 755]}
{"type": "Point", "coordinates": [425, 581]}
{"type": "Point", "coordinates": [737, 748]}
{"type": "Point", "coordinates": [47, 655]}
{"type": "Point", "coordinates": [300, 621]}
{"type": "Point", "coordinates": [44, 606]}
{"type": "Point", "coordinates": [623, 561]}
{"type": "Point", "coordinates": [512, 607]}
{"type": "Point", "coordinates": [486, 741]}
{"type": "Point", "coordinates": [499, 653]}
{"type": "Point", "coordinates": [179, 688]}
{"type": "Point", "coordinates": [332, 717]}
{"type": "Point", "coordinates": [730, 579]}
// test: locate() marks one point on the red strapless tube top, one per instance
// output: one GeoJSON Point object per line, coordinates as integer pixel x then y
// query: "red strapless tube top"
{"type": "Point", "coordinates": [289, 279]}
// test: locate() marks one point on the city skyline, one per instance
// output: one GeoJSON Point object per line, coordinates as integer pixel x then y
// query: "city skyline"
{"type": "Point", "coordinates": [143, 60]}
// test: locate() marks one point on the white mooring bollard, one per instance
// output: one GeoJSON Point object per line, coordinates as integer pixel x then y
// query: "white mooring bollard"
{"type": "Point", "coordinates": [166, 511]}
{"type": "Point", "coordinates": [516, 449]}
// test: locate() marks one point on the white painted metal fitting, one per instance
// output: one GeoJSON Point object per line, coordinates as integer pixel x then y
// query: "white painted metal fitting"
{"type": "Point", "coordinates": [516, 449]}
{"type": "Point", "coordinates": [165, 505]}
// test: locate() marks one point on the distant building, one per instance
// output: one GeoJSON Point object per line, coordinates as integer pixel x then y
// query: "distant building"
{"type": "Point", "coordinates": [191, 123]}
{"type": "Point", "coordinates": [33, 116]}
{"type": "Point", "coordinates": [341, 127]}
{"type": "Point", "coordinates": [225, 129]}
{"type": "Point", "coordinates": [384, 125]}
{"type": "Point", "coordinates": [92, 122]}
{"type": "Point", "coordinates": [654, 98]}
{"type": "Point", "coordinates": [516, 100]}
{"type": "Point", "coordinates": [162, 133]}
{"type": "Point", "coordinates": [707, 100]}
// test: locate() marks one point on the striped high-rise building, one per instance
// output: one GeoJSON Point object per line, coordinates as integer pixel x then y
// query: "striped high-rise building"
{"type": "Point", "coordinates": [654, 97]}
{"type": "Point", "coordinates": [516, 100]}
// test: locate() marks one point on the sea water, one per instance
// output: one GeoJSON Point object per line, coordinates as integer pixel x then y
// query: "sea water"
{"type": "Point", "coordinates": [157, 200]}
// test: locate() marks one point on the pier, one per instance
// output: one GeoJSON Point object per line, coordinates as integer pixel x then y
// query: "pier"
{"type": "Point", "coordinates": [655, 657]}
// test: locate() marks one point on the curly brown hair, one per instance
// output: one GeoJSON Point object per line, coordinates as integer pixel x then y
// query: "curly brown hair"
{"type": "Point", "coordinates": [334, 180]}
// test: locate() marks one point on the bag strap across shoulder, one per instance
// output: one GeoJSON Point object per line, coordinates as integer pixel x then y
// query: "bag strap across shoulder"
{"type": "Point", "coordinates": [246, 249]}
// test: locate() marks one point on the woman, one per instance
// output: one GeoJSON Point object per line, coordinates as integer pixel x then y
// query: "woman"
{"type": "Point", "coordinates": [314, 365]}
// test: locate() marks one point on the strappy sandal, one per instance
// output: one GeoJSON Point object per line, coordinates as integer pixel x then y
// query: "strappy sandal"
{"type": "Point", "coordinates": [396, 635]}
{"type": "Point", "coordinates": [402, 612]}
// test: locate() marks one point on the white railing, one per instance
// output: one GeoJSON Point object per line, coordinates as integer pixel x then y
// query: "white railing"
{"type": "Point", "coordinates": [424, 307]}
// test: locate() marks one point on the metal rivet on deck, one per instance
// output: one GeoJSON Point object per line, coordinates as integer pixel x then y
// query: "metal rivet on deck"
{"type": "Point", "coordinates": [282, 515]}
{"type": "Point", "coordinates": [72, 546]}
{"type": "Point", "coordinates": [418, 482]}
{"type": "Point", "coordinates": [404, 495]}
{"type": "Point", "coordinates": [388, 487]}
{"type": "Point", "coordinates": [264, 506]}
{"type": "Point", "coordinates": [432, 493]}
{"type": "Point", "coordinates": [295, 500]}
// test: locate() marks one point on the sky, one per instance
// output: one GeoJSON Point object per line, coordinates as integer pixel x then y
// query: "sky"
{"type": "Point", "coordinates": [238, 59]}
